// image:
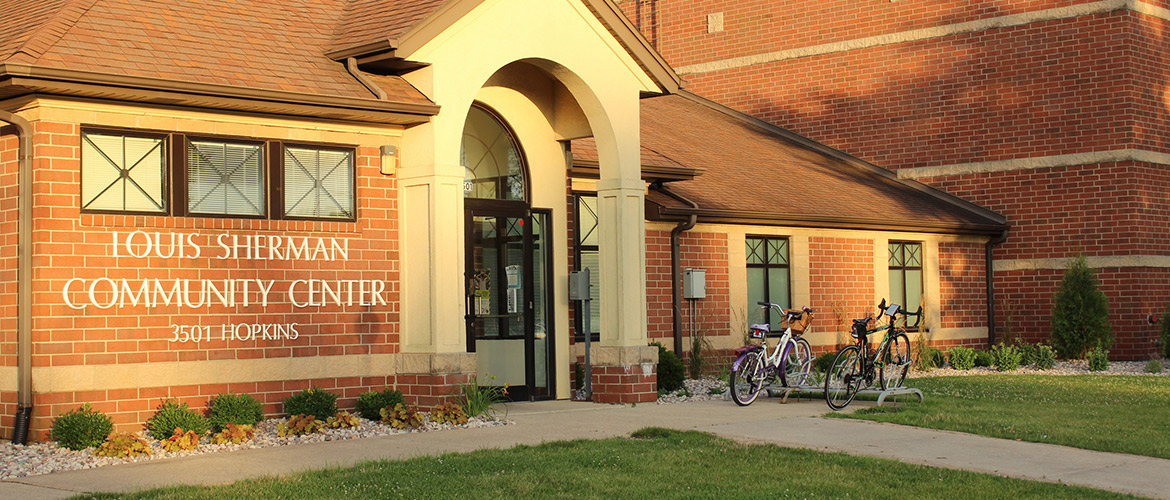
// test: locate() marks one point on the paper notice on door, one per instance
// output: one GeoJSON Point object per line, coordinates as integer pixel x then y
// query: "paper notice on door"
{"type": "Point", "coordinates": [513, 300]}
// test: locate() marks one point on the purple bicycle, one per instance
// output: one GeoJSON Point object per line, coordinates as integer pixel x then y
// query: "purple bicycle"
{"type": "Point", "coordinates": [790, 361]}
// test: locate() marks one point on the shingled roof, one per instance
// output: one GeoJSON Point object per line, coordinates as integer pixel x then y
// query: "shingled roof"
{"type": "Point", "coordinates": [757, 173]}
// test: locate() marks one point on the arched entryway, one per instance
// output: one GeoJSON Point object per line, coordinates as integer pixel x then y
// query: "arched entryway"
{"type": "Point", "coordinates": [508, 257]}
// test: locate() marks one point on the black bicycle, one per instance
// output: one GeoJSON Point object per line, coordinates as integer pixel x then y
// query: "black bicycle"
{"type": "Point", "coordinates": [855, 367]}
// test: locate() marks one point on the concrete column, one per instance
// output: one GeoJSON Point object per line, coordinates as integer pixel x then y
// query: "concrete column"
{"type": "Point", "coordinates": [622, 249]}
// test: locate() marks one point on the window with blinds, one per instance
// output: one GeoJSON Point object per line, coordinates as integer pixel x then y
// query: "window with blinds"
{"type": "Point", "coordinates": [225, 178]}
{"type": "Point", "coordinates": [905, 259]}
{"type": "Point", "coordinates": [318, 183]}
{"type": "Point", "coordinates": [123, 173]}
{"type": "Point", "coordinates": [767, 276]}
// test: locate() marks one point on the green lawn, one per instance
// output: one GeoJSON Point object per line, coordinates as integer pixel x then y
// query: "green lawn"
{"type": "Point", "coordinates": [1125, 414]}
{"type": "Point", "coordinates": [661, 464]}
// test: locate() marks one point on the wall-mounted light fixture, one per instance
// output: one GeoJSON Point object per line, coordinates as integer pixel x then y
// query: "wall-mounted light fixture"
{"type": "Point", "coordinates": [389, 159]}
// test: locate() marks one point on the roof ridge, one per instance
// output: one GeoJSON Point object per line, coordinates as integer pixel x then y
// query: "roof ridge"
{"type": "Point", "coordinates": [50, 32]}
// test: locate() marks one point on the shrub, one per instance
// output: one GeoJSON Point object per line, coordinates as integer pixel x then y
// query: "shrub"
{"type": "Point", "coordinates": [929, 358]}
{"type": "Point", "coordinates": [299, 425]}
{"type": "Point", "coordinates": [670, 371]}
{"type": "Point", "coordinates": [962, 358]}
{"type": "Point", "coordinates": [1098, 359]}
{"type": "Point", "coordinates": [1165, 327]}
{"type": "Point", "coordinates": [1154, 366]}
{"type": "Point", "coordinates": [81, 428]}
{"type": "Point", "coordinates": [1027, 353]}
{"type": "Point", "coordinates": [1045, 357]}
{"type": "Point", "coordinates": [370, 403]}
{"type": "Point", "coordinates": [123, 445]}
{"type": "Point", "coordinates": [181, 441]}
{"type": "Point", "coordinates": [823, 362]}
{"type": "Point", "coordinates": [579, 376]}
{"type": "Point", "coordinates": [343, 420]}
{"type": "Point", "coordinates": [699, 347]}
{"type": "Point", "coordinates": [1080, 317]}
{"type": "Point", "coordinates": [239, 409]}
{"type": "Point", "coordinates": [402, 417]}
{"type": "Point", "coordinates": [234, 434]}
{"type": "Point", "coordinates": [983, 358]}
{"type": "Point", "coordinates": [449, 412]}
{"type": "Point", "coordinates": [312, 401]}
{"type": "Point", "coordinates": [1005, 357]}
{"type": "Point", "coordinates": [172, 415]}
{"type": "Point", "coordinates": [475, 399]}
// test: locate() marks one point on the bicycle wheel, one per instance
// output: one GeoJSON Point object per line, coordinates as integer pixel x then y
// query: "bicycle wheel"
{"type": "Point", "coordinates": [796, 363]}
{"type": "Point", "coordinates": [844, 378]}
{"type": "Point", "coordinates": [895, 362]}
{"type": "Point", "coordinates": [747, 380]}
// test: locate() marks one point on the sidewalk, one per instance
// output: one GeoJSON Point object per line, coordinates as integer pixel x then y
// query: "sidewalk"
{"type": "Point", "coordinates": [795, 424]}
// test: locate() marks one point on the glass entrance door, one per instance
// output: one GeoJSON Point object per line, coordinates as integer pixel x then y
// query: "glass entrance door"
{"type": "Point", "coordinates": [507, 300]}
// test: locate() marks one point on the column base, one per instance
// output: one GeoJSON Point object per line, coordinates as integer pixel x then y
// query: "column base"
{"type": "Point", "coordinates": [430, 379]}
{"type": "Point", "coordinates": [625, 374]}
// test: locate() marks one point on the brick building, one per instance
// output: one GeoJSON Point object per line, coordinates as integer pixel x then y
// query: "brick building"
{"type": "Point", "coordinates": [1052, 113]}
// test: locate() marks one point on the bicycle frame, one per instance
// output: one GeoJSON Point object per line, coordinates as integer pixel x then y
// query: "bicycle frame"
{"type": "Point", "coordinates": [775, 359]}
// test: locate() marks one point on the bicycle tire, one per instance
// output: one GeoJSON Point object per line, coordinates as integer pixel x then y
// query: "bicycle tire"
{"type": "Point", "coordinates": [795, 363]}
{"type": "Point", "coordinates": [844, 378]}
{"type": "Point", "coordinates": [747, 380]}
{"type": "Point", "coordinates": [895, 362]}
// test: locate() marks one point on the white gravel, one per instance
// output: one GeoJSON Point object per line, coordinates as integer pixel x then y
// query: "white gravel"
{"type": "Point", "coordinates": [45, 457]}
{"type": "Point", "coordinates": [704, 389]}
{"type": "Point", "coordinates": [1074, 367]}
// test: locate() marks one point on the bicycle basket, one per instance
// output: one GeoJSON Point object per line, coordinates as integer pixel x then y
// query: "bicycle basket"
{"type": "Point", "coordinates": [799, 326]}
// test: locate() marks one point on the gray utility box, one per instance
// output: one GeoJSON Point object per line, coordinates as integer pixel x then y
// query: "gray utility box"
{"type": "Point", "coordinates": [695, 284]}
{"type": "Point", "coordinates": [579, 285]}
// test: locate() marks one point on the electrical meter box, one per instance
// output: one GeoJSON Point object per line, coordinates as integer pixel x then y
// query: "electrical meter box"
{"type": "Point", "coordinates": [579, 285]}
{"type": "Point", "coordinates": [695, 284]}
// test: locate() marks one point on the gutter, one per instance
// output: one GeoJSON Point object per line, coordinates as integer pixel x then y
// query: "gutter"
{"type": "Point", "coordinates": [990, 273]}
{"type": "Point", "coordinates": [351, 65]}
{"type": "Point", "coordinates": [676, 264]}
{"type": "Point", "coordinates": [833, 222]}
{"type": "Point", "coordinates": [23, 276]}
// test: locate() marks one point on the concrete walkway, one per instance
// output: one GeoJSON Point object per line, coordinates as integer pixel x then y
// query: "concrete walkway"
{"type": "Point", "coordinates": [795, 424]}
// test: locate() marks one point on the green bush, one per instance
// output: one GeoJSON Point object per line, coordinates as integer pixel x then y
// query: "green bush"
{"type": "Point", "coordinates": [1098, 359]}
{"type": "Point", "coordinates": [1080, 317]}
{"type": "Point", "coordinates": [369, 404]}
{"type": "Point", "coordinates": [983, 358]}
{"type": "Point", "coordinates": [962, 358]}
{"type": "Point", "coordinates": [1005, 357]}
{"type": "Point", "coordinates": [312, 401]}
{"type": "Point", "coordinates": [1027, 353]}
{"type": "Point", "coordinates": [476, 400]}
{"type": "Point", "coordinates": [579, 376]}
{"type": "Point", "coordinates": [239, 409]}
{"type": "Point", "coordinates": [170, 416]}
{"type": "Point", "coordinates": [671, 371]}
{"type": "Point", "coordinates": [1154, 366]}
{"type": "Point", "coordinates": [825, 361]}
{"type": "Point", "coordinates": [1165, 326]}
{"type": "Point", "coordinates": [929, 358]}
{"type": "Point", "coordinates": [81, 428]}
{"type": "Point", "coordinates": [1045, 357]}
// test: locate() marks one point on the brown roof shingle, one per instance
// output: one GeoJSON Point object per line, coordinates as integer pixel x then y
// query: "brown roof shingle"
{"type": "Point", "coordinates": [365, 21]}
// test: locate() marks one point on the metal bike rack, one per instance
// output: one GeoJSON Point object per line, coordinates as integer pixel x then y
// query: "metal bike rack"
{"type": "Point", "coordinates": [882, 395]}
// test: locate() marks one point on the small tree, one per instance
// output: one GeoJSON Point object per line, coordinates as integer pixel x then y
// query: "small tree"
{"type": "Point", "coordinates": [1080, 317]}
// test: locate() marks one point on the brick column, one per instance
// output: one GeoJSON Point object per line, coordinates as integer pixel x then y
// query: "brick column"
{"type": "Point", "coordinates": [625, 374]}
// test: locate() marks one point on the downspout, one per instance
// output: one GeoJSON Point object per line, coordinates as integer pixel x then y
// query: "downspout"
{"type": "Point", "coordinates": [676, 266]}
{"type": "Point", "coordinates": [23, 276]}
{"type": "Point", "coordinates": [352, 67]}
{"type": "Point", "coordinates": [991, 287]}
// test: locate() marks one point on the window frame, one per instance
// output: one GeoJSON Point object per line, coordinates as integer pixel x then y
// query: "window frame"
{"type": "Point", "coordinates": [767, 267]}
{"type": "Point", "coordinates": [579, 310]}
{"type": "Point", "coordinates": [167, 173]}
{"type": "Point", "coordinates": [176, 190]}
{"type": "Point", "coordinates": [903, 268]}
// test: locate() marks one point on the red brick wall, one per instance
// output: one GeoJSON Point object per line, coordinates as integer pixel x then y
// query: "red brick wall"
{"type": "Point", "coordinates": [69, 245]}
{"type": "Point", "coordinates": [624, 384]}
{"type": "Point", "coordinates": [698, 250]}
{"type": "Point", "coordinates": [8, 217]}
{"type": "Point", "coordinates": [962, 285]}
{"type": "Point", "coordinates": [841, 281]}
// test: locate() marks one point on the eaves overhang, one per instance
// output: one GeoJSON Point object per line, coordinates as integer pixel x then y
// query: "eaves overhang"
{"type": "Point", "coordinates": [22, 79]}
{"type": "Point", "coordinates": [591, 169]}
{"type": "Point", "coordinates": [744, 217]}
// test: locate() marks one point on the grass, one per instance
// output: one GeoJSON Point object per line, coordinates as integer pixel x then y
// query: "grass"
{"type": "Point", "coordinates": [1124, 414]}
{"type": "Point", "coordinates": [658, 464]}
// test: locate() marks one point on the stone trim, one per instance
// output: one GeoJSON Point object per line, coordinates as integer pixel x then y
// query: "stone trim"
{"type": "Point", "coordinates": [1071, 11]}
{"type": "Point", "coordinates": [1112, 156]}
{"type": "Point", "coordinates": [1096, 262]}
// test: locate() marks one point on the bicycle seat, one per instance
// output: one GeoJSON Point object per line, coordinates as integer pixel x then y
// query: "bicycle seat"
{"type": "Point", "coordinates": [763, 328]}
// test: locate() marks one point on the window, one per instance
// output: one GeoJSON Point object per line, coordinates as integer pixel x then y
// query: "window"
{"type": "Point", "coordinates": [588, 257]}
{"type": "Point", "coordinates": [767, 276]}
{"type": "Point", "coordinates": [133, 172]}
{"type": "Point", "coordinates": [125, 173]}
{"type": "Point", "coordinates": [906, 274]}
{"type": "Point", "coordinates": [492, 161]}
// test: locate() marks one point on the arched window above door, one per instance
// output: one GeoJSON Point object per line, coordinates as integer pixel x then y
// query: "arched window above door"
{"type": "Point", "coordinates": [493, 163]}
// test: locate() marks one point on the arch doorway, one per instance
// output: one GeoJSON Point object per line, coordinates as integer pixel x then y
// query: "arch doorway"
{"type": "Point", "coordinates": [508, 263]}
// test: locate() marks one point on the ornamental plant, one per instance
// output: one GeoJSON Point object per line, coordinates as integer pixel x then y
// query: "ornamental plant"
{"type": "Point", "coordinates": [1098, 360]}
{"type": "Point", "coordinates": [181, 441]}
{"type": "Point", "coordinates": [343, 420]}
{"type": "Point", "coordinates": [1165, 327]}
{"type": "Point", "coordinates": [234, 434]}
{"type": "Point", "coordinates": [81, 428]}
{"type": "Point", "coordinates": [1080, 317]}
{"type": "Point", "coordinates": [1153, 366]}
{"type": "Point", "coordinates": [671, 371]}
{"type": "Point", "coordinates": [371, 402]}
{"type": "Point", "coordinates": [962, 358]}
{"type": "Point", "coordinates": [299, 425]}
{"type": "Point", "coordinates": [170, 416]}
{"type": "Point", "coordinates": [238, 409]}
{"type": "Point", "coordinates": [402, 417]}
{"type": "Point", "coordinates": [123, 445]}
{"type": "Point", "coordinates": [1045, 357]}
{"type": "Point", "coordinates": [449, 413]}
{"type": "Point", "coordinates": [312, 401]}
{"type": "Point", "coordinates": [479, 400]}
{"type": "Point", "coordinates": [983, 358]}
{"type": "Point", "coordinates": [1006, 357]}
